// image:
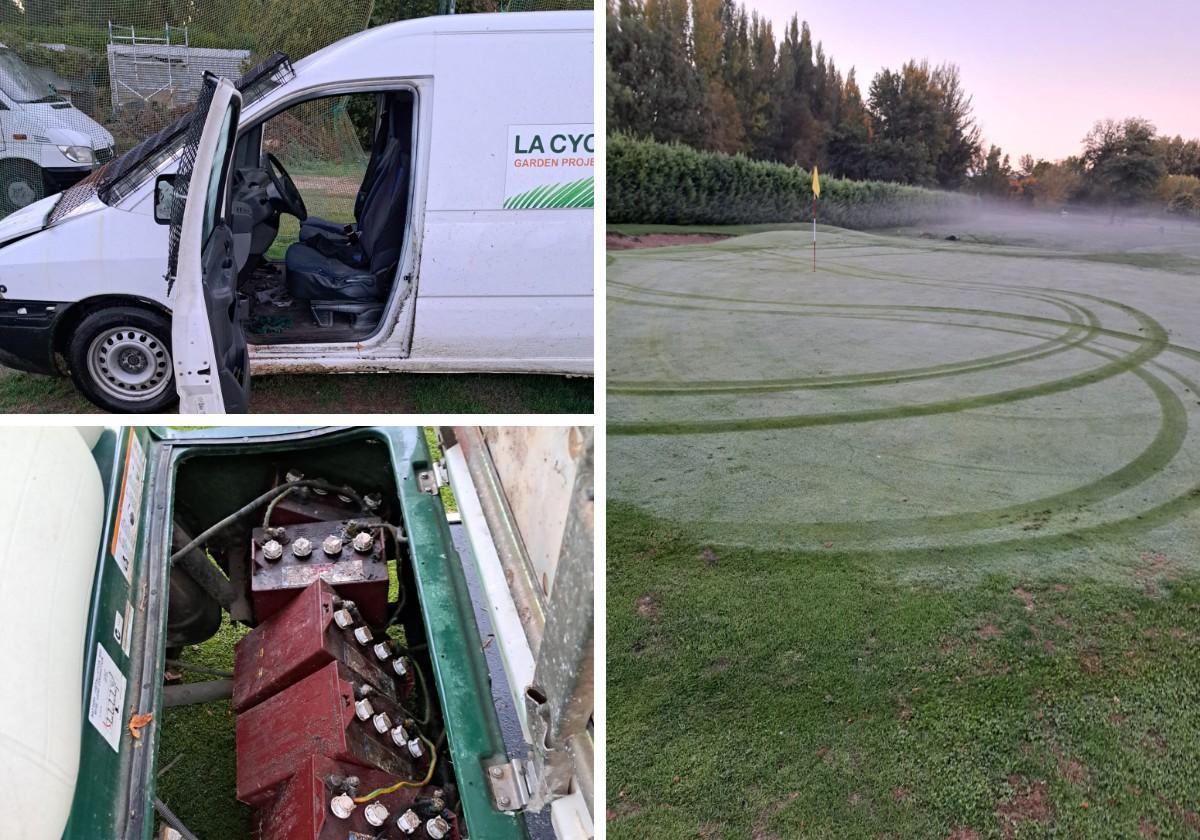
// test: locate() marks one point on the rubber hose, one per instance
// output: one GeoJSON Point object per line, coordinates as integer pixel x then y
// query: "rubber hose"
{"type": "Point", "coordinates": [261, 500]}
{"type": "Point", "coordinates": [168, 816]}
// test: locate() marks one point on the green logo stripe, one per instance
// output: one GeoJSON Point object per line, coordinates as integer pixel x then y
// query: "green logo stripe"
{"type": "Point", "coordinates": [581, 193]}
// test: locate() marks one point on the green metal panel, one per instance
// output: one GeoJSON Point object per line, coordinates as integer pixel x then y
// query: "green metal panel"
{"type": "Point", "coordinates": [460, 671]}
{"type": "Point", "coordinates": [97, 809]}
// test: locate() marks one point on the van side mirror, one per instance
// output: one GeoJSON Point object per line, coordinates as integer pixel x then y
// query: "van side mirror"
{"type": "Point", "coordinates": [164, 198]}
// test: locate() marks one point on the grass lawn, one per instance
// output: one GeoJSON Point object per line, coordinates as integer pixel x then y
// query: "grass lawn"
{"type": "Point", "coordinates": [775, 694]}
{"type": "Point", "coordinates": [345, 393]}
{"type": "Point", "coordinates": [908, 545]}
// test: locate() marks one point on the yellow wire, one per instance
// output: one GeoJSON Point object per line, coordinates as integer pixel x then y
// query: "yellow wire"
{"type": "Point", "coordinates": [428, 777]}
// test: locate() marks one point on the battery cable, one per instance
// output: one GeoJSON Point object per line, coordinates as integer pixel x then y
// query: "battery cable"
{"type": "Point", "coordinates": [375, 794]}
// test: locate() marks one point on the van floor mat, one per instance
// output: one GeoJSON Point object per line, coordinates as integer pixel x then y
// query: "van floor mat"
{"type": "Point", "coordinates": [301, 327]}
{"type": "Point", "coordinates": [269, 324]}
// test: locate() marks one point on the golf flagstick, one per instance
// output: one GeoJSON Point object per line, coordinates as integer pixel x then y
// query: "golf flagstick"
{"type": "Point", "coordinates": [816, 188]}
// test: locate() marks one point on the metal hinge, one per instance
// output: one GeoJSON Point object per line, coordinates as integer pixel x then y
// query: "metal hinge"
{"type": "Point", "coordinates": [510, 788]}
{"type": "Point", "coordinates": [433, 479]}
{"type": "Point", "coordinates": [530, 784]}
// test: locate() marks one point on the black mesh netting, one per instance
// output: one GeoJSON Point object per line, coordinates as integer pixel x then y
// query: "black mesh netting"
{"type": "Point", "coordinates": [113, 181]}
{"type": "Point", "coordinates": [183, 177]}
{"type": "Point", "coordinates": [86, 82]}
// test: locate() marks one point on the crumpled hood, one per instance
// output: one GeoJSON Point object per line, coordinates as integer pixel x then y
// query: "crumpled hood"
{"type": "Point", "coordinates": [28, 219]}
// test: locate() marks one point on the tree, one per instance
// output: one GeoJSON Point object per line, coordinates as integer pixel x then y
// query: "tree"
{"type": "Point", "coordinates": [658, 92]}
{"type": "Point", "coordinates": [1120, 161]}
{"type": "Point", "coordinates": [1181, 157]}
{"type": "Point", "coordinates": [994, 174]}
{"type": "Point", "coordinates": [922, 124]}
{"type": "Point", "coordinates": [848, 148]}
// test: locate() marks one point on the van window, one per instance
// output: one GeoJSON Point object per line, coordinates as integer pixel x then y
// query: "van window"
{"type": "Point", "coordinates": [19, 83]}
{"type": "Point", "coordinates": [325, 145]}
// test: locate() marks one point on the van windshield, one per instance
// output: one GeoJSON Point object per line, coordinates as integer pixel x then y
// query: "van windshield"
{"type": "Point", "coordinates": [21, 84]}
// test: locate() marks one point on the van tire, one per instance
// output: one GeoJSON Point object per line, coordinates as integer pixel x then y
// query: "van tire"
{"type": "Point", "coordinates": [120, 359]}
{"type": "Point", "coordinates": [21, 184]}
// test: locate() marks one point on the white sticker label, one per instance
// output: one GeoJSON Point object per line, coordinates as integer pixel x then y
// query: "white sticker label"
{"type": "Point", "coordinates": [119, 629]}
{"type": "Point", "coordinates": [108, 698]}
{"type": "Point", "coordinates": [128, 631]}
{"type": "Point", "coordinates": [550, 166]}
{"type": "Point", "coordinates": [125, 533]}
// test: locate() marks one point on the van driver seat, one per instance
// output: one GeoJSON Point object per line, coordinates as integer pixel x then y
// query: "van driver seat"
{"type": "Point", "coordinates": [341, 274]}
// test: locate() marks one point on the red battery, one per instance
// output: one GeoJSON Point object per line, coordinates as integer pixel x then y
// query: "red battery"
{"type": "Point", "coordinates": [303, 811]}
{"type": "Point", "coordinates": [359, 575]}
{"type": "Point", "coordinates": [304, 636]}
{"type": "Point", "coordinates": [323, 714]}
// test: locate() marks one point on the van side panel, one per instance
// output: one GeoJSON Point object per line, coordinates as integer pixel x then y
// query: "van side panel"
{"type": "Point", "coordinates": [493, 282]}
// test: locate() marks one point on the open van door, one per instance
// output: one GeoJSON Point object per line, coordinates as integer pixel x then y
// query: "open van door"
{"type": "Point", "coordinates": [212, 369]}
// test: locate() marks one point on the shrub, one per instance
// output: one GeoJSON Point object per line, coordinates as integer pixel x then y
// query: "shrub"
{"type": "Point", "coordinates": [651, 182]}
{"type": "Point", "coordinates": [1181, 194]}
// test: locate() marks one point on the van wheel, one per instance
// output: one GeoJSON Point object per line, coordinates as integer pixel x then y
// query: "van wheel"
{"type": "Point", "coordinates": [21, 184]}
{"type": "Point", "coordinates": [120, 359]}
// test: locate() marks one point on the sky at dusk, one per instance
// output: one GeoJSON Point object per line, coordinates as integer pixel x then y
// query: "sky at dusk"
{"type": "Point", "coordinates": [1040, 73]}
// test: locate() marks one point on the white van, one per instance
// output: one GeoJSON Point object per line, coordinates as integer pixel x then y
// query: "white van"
{"type": "Point", "coordinates": [46, 144]}
{"type": "Point", "coordinates": [470, 247]}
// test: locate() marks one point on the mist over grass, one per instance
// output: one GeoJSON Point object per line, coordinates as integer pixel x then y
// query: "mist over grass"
{"type": "Point", "coordinates": [1138, 236]}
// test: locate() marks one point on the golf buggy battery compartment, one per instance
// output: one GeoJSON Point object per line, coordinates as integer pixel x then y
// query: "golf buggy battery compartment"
{"type": "Point", "coordinates": [338, 732]}
{"type": "Point", "coordinates": [332, 712]}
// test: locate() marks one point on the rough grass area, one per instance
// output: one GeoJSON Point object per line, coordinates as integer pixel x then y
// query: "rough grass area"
{"type": "Point", "coordinates": [400, 393]}
{"type": "Point", "coordinates": [774, 694]}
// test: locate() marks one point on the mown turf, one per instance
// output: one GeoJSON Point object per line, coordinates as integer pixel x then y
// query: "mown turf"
{"type": "Point", "coordinates": [22, 393]}
{"type": "Point", "coordinates": [777, 694]}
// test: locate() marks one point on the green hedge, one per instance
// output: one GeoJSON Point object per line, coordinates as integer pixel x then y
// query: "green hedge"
{"type": "Point", "coordinates": [651, 182]}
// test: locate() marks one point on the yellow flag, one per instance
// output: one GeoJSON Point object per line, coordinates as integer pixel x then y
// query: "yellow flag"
{"type": "Point", "coordinates": [816, 183]}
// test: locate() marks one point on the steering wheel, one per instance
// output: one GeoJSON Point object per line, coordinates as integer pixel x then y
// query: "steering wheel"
{"type": "Point", "coordinates": [285, 187]}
